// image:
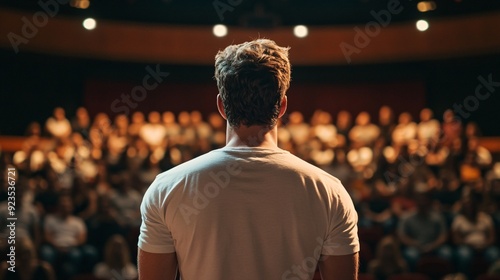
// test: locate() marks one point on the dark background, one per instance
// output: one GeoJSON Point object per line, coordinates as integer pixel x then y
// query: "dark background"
{"type": "Point", "coordinates": [31, 85]}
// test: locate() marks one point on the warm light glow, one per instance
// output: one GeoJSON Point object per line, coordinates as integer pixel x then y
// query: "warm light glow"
{"type": "Point", "coordinates": [79, 4]}
{"type": "Point", "coordinates": [426, 6]}
{"type": "Point", "coordinates": [220, 30]}
{"type": "Point", "coordinates": [89, 23]}
{"type": "Point", "coordinates": [300, 31]}
{"type": "Point", "coordinates": [422, 25]}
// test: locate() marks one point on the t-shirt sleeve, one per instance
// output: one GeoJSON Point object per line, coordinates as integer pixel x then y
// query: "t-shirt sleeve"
{"type": "Point", "coordinates": [154, 237]}
{"type": "Point", "coordinates": [342, 236]}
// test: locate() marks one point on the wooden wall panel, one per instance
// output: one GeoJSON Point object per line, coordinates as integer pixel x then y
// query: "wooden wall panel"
{"type": "Point", "coordinates": [451, 37]}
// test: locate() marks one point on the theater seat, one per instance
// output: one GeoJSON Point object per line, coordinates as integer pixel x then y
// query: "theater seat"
{"type": "Point", "coordinates": [365, 256]}
{"type": "Point", "coordinates": [409, 276]}
{"type": "Point", "coordinates": [488, 277]}
{"type": "Point", "coordinates": [434, 267]}
{"type": "Point", "coordinates": [371, 235]}
{"type": "Point", "coordinates": [87, 276]}
{"type": "Point", "coordinates": [365, 276]}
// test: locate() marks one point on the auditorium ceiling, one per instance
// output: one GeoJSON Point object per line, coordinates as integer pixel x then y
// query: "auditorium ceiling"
{"type": "Point", "coordinates": [259, 14]}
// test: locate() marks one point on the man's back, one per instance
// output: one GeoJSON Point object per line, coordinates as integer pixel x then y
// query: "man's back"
{"type": "Point", "coordinates": [248, 213]}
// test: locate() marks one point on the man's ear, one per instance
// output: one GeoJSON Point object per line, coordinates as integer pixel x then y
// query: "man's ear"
{"type": "Point", "coordinates": [284, 104]}
{"type": "Point", "coordinates": [220, 107]}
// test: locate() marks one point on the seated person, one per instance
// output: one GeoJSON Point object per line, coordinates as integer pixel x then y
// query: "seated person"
{"type": "Point", "coordinates": [28, 220]}
{"type": "Point", "coordinates": [364, 133]}
{"type": "Point", "coordinates": [154, 132]}
{"type": "Point", "coordinates": [473, 232]}
{"type": "Point", "coordinates": [324, 130]}
{"type": "Point", "coordinates": [202, 128]}
{"type": "Point", "coordinates": [405, 131]}
{"type": "Point", "coordinates": [125, 201]}
{"type": "Point", "coordinates": [65, 237]}
{"type": "Point", "coordinates": [388, 260]}
{"type": "Point", "coordinates": [451, 127]}
{"type": "Point", "coordinates": [28, 266]}
{"type": "Point", "coordinates": [423, 232]}
{"type": "Point", "coordinates": [343, 124]}
{"type": "Point", "coordinates": [428, 129]}
{"type": "Point", "coordinates": [386, 123]}
{"type": "Point", "coordinates": [138, 120]}
{"type": "Point", "coordinates": [116, 262]}
{"type": "Point", "coordinates": [57, 125]}
{"type": "Point", "coordinates": [299, 130]}
{"type": "Point", "coordinates": [81, 122]}
{"type": "Point", "coordinates": [377, 209]}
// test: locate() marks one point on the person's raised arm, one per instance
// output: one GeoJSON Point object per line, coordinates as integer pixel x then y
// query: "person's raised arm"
{"type": "Point", "coordinates": [154, 266]}
{"type": "Point", "coordinates": [343, 267]}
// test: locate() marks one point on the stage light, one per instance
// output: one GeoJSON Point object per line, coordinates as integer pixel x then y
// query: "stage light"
{"type": "Point", "coordinates": [425, 6]}
{"type": "Point", "coordinates": [422, 25]}
{"type": "Point", "coordinates": [300, 31]}
{"type": "Point", "coordinates": [89, 23]}
{"type": "Point", "coordinates": [220, 30]}
{"type": "Point", "coordinates": [79, 4]}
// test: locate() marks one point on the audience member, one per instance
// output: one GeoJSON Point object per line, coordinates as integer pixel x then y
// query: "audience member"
{"type": "Point", "coordinates": [125, 200]}
{"type": "Point", "coordinates": [473, 232]}
{"type": "Point", "coordinates": [81, 122]}
{"type": "Point", "coordinates": [344, 125]}
{"type": "Point", "coordinates": [386, 123]}
{"type": "Point", "coordinates": [103, 224]}
{"type": "Point", "coordinates": [65, 236]}
{"type": "Point", "coordinates": [364, 133]}
{"type": "Point", "coordinates": [28, 266]}
{"type": "Point", "coordinates": [428, 129]}
{"type": "Point", "coordinates": [153, 132]}
{"type": "Point", "coordinates": [27, 224]}
{"type": "Point", "coordinates": [57, 125]}
{"type": "Point", "coordinates": [388, 260]}
{"type": "Point", "coordinates": [451, 127]}
{"type": "Point", "coordinates": [423, 232]}
{"type": "Point", "coordinates": [137, 121]}
{"type": "Point", "coordinates": [405, 131]}
{"type": "Point", "coordinates": [116, 264]}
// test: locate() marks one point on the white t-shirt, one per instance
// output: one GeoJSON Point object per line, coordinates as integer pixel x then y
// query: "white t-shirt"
{"type": "Point", "coordinates": [475, 234]}
{"type": "Point", "coordinates": [247, 213]}
{"type": "Point", "coordinates": [65, 231]}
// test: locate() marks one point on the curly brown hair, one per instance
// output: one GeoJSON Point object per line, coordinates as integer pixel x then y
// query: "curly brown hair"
{"type": "Point", "coordinates": [252, 79]}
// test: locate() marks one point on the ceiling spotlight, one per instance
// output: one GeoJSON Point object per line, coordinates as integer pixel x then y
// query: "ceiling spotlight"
{"type": "Point", "coordinates": [300, 31]}
{"type": "Point", "coordinates": [422, 25]}
{"type": "Point", "coordinates": [425, 6]}
{"type": "Point", "coordinates": [220, 30]}
{"type": "Point", "coordinates": [89, 23]}
{"type": "Point", "coordinates": [79, 4]}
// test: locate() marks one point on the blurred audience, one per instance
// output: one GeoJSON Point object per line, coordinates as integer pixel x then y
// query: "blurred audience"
{"type": "Point", "coordinates": [29, 267]}
{"type": "Point", "coordinates": [412, 181]}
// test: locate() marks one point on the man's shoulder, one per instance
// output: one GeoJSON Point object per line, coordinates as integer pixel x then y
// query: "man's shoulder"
{"type": "Point", "coordinates": [194, 165]}
{"type": "Point", "coordinates": [307, 169]}
{"type": "Point", "coordinates": [186, 169]}
{"type": "Point", "coordinates": [277, 161]}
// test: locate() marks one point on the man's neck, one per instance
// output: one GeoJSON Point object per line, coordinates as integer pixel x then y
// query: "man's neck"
{"type": "Point", "coordinates": [252, 136]}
